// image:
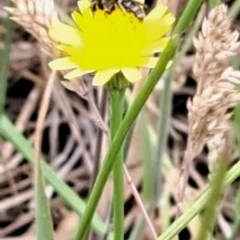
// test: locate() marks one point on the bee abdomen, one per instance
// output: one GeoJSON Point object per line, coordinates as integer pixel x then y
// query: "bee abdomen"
{"type": "Point", "coordinates": [134, 7]}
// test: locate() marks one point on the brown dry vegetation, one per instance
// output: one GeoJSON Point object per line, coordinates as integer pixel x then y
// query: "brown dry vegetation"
{"type": "Point", "coordinates": [74, 143]}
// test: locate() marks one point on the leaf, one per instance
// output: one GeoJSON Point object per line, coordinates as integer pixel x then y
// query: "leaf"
{"type": "Point", "coordinates": [43, 218]}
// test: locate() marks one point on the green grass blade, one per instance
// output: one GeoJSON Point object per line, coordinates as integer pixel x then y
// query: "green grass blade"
{"type": "Point", "coordinates": [4, 60]}
{"type": "Point", "coordinates": [214, 3]}
{"type": "Point", "coordinates": [197, 206]}
{"type": "Point", "coordinates": [188, 16]}
{"type": "Point", "coordinates": [234, 10]}
{"type": "Point", "coordinates": [236, 224]}
{"type": "Point", "coordinates": [44, 224]}
{"type": "Point", "coordinates": [9, 132]}
{"type": "Point", "coordinates": [162, 133]}
{"type": "Point", "coordinates": [214, 198]}
{"type": "Point", "coordinates": [147, 158]}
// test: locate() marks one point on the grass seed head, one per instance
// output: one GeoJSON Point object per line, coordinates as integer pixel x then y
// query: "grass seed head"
{"type": "Point", "coordinates": [36, 16]}
{"type": "Point", "coordinates": [209, 115]}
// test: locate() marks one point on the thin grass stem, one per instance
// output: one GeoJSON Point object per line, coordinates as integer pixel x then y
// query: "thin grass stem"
{"type": "Point", "coordinates": [234, 9]}
{"type": "Point", "coordinates": [197, 206]}
{"type": "Point", "coordinates": [214, 3]}
{"type": "Point", "coordinates": [44, 225]}
{"type": "Point", "coordinates": [4, 60]}
{"type": "Point", "coordinates": [148, 166]}
{"type": "Point", "coordinates": [215, 194]}
{"type": "Point", "coordinates": [163, 125]}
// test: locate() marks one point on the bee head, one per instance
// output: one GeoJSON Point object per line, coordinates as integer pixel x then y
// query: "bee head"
{"type": "Point", "coordinates": [108, 5]}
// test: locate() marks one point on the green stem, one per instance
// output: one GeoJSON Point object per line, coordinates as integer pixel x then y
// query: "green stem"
{"type": "Point", "coordinates": [234, 10]}
{"type": "Point", "coordinates": [213, 200]}
{"type": "Point", "coordinates": [197, 206]}
{"type": "Point", "coordinates": [163, 124]}
{"type": "Point", "coordinates": [236, 225]}
{"type": "Point", "coordinates": [119, 138]}
{"type": "Point", "coordinates": [126, 124]}
{"type": "Point", "coordinates": [117, 105]}
{"type": "Point", "coordinates": [148, 166]}
{"type": "Point", "coordinates": [235, 230]}
{"type": "Point", "coordinates": [214, 3]}
{"type": "Point", "coordinates": [165, 109]}
{"type": "Point", "coordinates": [4, 60]}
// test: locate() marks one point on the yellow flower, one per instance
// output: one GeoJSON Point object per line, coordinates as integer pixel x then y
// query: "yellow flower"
{"type": "Point", "coordinates": [110, 43]}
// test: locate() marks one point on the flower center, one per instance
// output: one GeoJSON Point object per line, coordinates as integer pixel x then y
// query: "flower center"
{"type": "Point", "coordinates": [113, 40]}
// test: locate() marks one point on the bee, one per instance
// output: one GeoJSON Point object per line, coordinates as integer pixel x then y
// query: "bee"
{"type": "Point", "coordinates": [132, 6]}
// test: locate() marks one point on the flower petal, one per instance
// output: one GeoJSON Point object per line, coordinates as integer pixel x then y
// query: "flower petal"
{"type": "Point", "coordinates": [65, 34]}
{"type": "Point", "coordinates": [84, 7]}
{"type": "Point", "coordinates": [147, 62]}
{"type": "Point", "coordinates": [158, 22]}
{"type": "Point", "coordinates": [62, 64]}
{"type": "Point", "coordinates": [71, 50]}
{"type": "Point", "coordinates": [103, 76]}
{"type": "Point", "coordinates": [109, 43]}
{"type": "Point", "coordinates": [160, 13]}
{"type": "Point", "coordinates": [155, 47]}
{"type": "Point", "coordinates": [156, 13]}
{"type": "Point", "coordinates": [79, 20]}
{"type": "Point", "coordinates": [77, 73]}
{"type": "Point", "coordinates": [155, 29]}
{"type": "Point", "coordinates": [132, 74]}
{"type": "Point", "coordinates": [83, 4]}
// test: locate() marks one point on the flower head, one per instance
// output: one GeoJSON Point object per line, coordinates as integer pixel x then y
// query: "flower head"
{"type": "Point", "coordinates": [110, 43]}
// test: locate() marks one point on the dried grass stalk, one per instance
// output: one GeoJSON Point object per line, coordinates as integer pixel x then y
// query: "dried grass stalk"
{"type": "Point", "coordinates": [209, 111]}
{"type": "Point", "coordinates": [216, 83]}
{"type": "Point", "coordinates": [36, 16]}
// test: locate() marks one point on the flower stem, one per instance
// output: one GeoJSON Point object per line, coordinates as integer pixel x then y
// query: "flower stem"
{"type": "Point", "coordinates": [119, 138]}
{"type": "Point", "coordinates": [126, 124]}
{"type": "Point", "coordinates": [116, 97]}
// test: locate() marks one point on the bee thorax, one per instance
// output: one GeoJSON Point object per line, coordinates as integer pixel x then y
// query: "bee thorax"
{"type": "Point", "coordinates": [128, 5]}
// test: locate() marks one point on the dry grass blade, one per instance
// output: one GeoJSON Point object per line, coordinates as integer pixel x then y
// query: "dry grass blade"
{"type": "Point", "coordinates": [139, 202]}
{"type": "Point", "coordinates": [43, 219]}
{"type": "Point", "coordinates": [37, 16]}
{"type": "Point", "coordinates": [216, 86]}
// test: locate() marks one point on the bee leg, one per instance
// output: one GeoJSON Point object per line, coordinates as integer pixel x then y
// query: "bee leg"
{"type": "Point", "coordinates": [119, 3]}
{"type": "Point", "coordinates": [93, 5]}
{"type": "Point", "coordinates": [143, 5]}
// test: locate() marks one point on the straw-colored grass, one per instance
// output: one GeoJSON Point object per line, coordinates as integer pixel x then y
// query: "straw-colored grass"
{"type": "Point", "coordinates": [36, 17]}
{"type": "Point", "coordinates": [216, 93]}
{"type": "Point", "coordinates": [209, 115]}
